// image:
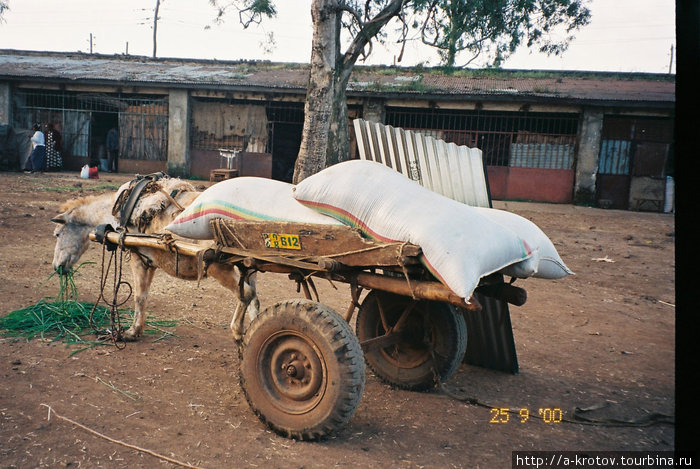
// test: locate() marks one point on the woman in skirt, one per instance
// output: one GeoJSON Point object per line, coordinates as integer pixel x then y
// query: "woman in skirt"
{"type": "Point", "coordinates": [54, 162]}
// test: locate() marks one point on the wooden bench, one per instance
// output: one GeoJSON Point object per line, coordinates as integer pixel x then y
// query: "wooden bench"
{"type": "Point", "coordinates": [222, 174]}
{"type": "Point", "coordinates": [653, 205]}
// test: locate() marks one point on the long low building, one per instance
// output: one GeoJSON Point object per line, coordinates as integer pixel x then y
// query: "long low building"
{"type": "Point", "coordinates": [585, 137]}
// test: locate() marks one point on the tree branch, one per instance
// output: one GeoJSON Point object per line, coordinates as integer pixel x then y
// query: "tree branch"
{"type": "Point", "coordinates": [368, 31]}
{"type": "Point", "coordinates": [353, 12]}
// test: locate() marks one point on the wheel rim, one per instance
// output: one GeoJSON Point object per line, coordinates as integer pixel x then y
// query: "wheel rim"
{"type": "Point", "coordinates": [291, 370]}
{"type": "Point", "coordinates": [412, 351]}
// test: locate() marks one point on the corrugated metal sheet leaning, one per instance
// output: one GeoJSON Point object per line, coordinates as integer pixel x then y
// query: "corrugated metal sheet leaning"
{"type": "Point", "coordinates": [446, 168]}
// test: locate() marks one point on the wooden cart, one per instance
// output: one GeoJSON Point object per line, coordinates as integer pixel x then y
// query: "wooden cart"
{"type": "Point", "coordinates": [302, 367]}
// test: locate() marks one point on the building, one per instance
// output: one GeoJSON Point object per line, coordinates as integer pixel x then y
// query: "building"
{"type": "Point", "coordinates": [584, 137]}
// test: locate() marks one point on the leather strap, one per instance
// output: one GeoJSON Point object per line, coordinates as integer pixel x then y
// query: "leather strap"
{"type": "Point", "coordinates": [141, 183]}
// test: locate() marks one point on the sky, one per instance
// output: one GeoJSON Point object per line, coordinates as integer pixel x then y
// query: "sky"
{"type": "Point", "coordinates": [623, 36]}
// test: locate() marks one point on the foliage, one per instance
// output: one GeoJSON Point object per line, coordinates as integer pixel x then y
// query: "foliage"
{"type": "Point", "coordinates": [493, 29]}
{"type": "Point", "coordinates": [249, 11]}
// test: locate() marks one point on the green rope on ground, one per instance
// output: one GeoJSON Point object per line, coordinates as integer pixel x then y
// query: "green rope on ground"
{"type": "Point", "coordinates": [65, 318]}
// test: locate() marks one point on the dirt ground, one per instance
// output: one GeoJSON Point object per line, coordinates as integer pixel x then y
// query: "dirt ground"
{"type": "Point", "coordinates": [603, 336]}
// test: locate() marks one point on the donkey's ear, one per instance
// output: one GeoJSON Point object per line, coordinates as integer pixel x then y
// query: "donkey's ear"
{"type": "Point", "coordinates": [59, 219]}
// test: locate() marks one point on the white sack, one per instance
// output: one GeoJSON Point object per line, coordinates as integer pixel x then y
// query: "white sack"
{"type": "Point", "coordinates": [243, 198]}
{"type": "Point", "coordinates": [548, 263]}
{"type": "Point", "coordinates": [459, 244]}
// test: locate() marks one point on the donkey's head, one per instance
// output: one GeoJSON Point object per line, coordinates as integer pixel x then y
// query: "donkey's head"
{"type": "Point", "coordinates": [71, 242]}
{"type": "Point", "coordinates": [74, 224]}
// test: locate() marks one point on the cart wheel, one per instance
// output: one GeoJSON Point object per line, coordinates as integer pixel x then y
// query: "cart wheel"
{"type": "Point", "coordinates": [408, 362]}
{"type": "Point", "coordinates": [302, 370]}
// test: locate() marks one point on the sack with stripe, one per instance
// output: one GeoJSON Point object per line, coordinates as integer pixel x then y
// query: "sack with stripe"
{"type": "Point", "coordinates": [548, 263]}
{"type": "Point", "coordinates": [243, 198]}
{"type": "Point", "coordinates": [459, 244]}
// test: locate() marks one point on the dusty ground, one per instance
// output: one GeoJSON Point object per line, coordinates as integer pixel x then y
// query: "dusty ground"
{"type": "Point", "coordinates": [605, 335]}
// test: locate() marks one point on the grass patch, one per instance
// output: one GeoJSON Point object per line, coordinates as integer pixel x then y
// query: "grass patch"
{"type": "Point", "coordinates": [103, 187]}
{"type": "Point", "coordinates": [72, 188]}
{"type": "Point", "coordinates": [67, 320]}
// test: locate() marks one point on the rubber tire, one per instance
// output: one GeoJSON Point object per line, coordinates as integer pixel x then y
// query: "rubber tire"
{"type": "Point", "coordinates": [307, 336]}
{"type": "Point", "coordinates": [409, 364]}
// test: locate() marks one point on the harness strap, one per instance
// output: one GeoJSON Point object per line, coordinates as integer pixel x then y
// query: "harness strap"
{"type": "Point", "coordinates": [172, 196]}
{"type": "Point", "coordinates": [141, 182]}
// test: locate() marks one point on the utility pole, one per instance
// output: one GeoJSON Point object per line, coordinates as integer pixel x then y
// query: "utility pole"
{"type": "Point", "coordinates": [91, 43]}
{"type": "Point", "coordinates": [155, 27]}
{"type": "Point", "coordinates": [670, 64]}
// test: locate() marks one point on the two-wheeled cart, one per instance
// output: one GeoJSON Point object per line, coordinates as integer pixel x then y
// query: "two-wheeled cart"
{"type": "Point", "coordinates": [302, 367]}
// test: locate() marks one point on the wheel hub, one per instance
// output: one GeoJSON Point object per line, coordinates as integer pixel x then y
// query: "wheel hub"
{"type": "Point", "coordinates": [292, 370]}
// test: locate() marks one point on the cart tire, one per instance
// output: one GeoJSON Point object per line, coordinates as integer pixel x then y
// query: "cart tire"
{"type": "Point", "coordinates": [409, 364]}
{"type": "Point", "coordinates": [302, 370]}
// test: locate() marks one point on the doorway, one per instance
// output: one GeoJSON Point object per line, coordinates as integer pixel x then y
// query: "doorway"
{"type": "Point", "coordinates": [100, 125]}
{"type": "Point", "coordinates": [286, 140]}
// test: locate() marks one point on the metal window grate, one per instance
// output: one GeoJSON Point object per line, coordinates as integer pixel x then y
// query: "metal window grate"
{"type": "Point", "coordinates": [142, 120]}
{"type": "Point", "coordinates": [285, 113]}
{"type": "Point", "coordinates": [524, 139]}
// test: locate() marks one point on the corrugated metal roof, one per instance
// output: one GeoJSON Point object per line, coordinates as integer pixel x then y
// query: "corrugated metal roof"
{"type": "Point", "coordinates": [568, 86]}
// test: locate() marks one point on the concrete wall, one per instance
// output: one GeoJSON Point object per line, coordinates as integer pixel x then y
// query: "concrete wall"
{"type": "Point", "coordinates": [179, 133]}
{"type": "Point", "coordinates": [588, 153]}
{"type": "Point", "coordinates": [531, 184]}
{"type": "Point", "coordinates": [373, 110]}
{"type": "Point", "coordinates": [5, 107]}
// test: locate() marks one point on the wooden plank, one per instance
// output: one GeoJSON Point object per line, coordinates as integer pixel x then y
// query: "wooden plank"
{"type": "Point", "coordinates": [425, 290]}
{"type": "Point", "coordinates": [334, 242]}
{"type": "Point", "coordinates": [154, 241]}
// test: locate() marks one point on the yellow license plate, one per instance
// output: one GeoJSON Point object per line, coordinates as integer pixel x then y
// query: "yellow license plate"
{"type": "Point", "coordinates": [281, 241]}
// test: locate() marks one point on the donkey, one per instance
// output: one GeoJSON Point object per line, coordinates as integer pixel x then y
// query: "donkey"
{"type": "Point", "coordinates": [155, 209]}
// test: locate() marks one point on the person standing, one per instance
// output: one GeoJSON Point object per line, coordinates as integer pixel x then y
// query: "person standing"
{"type": "Point", "coordinates": [112, 150]}
{"type": "Point", "coordinates": [54, 162]}
{"type": "Point", "coordinates": [37, 158]}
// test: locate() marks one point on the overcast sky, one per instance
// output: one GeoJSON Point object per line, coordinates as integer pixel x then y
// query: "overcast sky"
{"type": "Point", "coordinates": [624, 35]}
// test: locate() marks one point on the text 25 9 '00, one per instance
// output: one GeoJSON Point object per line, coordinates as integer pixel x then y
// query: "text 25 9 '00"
{"type": "Point", "coordinates": [547, 415]}
{"type": "Point", "coordinates": [281, 241]}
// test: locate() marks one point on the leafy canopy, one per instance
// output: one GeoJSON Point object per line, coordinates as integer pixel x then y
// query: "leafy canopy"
{"type": "Point", "coordinates": [493, 29]}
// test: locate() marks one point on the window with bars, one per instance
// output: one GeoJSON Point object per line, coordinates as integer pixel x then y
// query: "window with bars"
{"type": "Point", "coordinates": [516, 139]}
{"type": "Point", "coordinates": [84, 118]}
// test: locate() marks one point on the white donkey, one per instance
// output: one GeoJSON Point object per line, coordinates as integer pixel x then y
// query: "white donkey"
{"type": "Point", "coordinates": [160, 202]}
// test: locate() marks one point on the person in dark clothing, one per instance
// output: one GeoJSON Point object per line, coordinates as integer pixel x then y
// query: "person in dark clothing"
{"type": "Point", "coordinates": [112, 150]}
{"type": "Point", "coordinates": [54, 162]}
{"type": "Point", "coordinates": [37, 158]}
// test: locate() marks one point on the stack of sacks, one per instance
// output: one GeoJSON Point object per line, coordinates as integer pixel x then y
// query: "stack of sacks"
{"type": "Point", "coordinates": [243, 198]}
{"type": "Point", "coordinates": [460, 243]}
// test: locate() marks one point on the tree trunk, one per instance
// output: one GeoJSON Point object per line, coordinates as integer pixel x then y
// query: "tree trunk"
{"type": "Point", "coordinates": [155, 27]}
{"type": "Point", "coordinates": [325, 134]}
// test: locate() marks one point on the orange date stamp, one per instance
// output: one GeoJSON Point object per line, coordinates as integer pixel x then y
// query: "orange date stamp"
{"type": "Point", "coordinates": [501, 415]}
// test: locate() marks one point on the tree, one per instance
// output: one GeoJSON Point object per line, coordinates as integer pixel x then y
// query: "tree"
{"type": "Point", "coordinates": [492, 29]}
{"type": "Point", "coordinates": [324, 140]}
{"type": "Point", "coordinates": [4, 5]}
{"type": "Point", "coordinates": [155, 26]}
